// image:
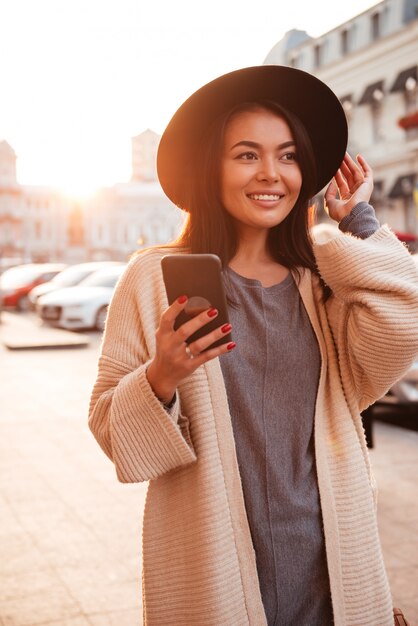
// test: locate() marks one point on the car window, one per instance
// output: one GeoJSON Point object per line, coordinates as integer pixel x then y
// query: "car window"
{"type": "Point", "coordinates": [19, 276]}
{"type": "Point", "coordinates": [48, 276]}
{"type": "Point", "coordinates": [71, 276]}
{"type": "Point", "coordinates": [101, 279]}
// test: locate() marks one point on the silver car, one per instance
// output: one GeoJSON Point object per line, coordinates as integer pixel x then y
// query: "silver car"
{"type": "Point", "coordinates": [69, 277]}
{"type": "Point", "coordinates": [84, 305]}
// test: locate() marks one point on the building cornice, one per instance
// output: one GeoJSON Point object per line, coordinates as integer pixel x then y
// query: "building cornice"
{"type": "Point", "coordinates": [355, 61]}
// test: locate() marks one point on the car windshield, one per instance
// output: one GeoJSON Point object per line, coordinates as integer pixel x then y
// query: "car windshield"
{"type": "Point", "coordinates": [17, 276]}
{"type": "Point", "coordinates": [102, 278]}
{"type": "Point", "coordinates": [71, 276]}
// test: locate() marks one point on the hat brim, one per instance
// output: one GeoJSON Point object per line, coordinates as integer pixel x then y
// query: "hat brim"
{"type": "Point", "coordinates": [311, 100]}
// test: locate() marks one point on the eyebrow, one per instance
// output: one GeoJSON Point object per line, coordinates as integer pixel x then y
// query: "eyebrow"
{"type": "Point", "coordinates": [254, 144]}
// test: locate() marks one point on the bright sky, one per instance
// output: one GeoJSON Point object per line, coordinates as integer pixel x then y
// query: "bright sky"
{"type": "Point", "coordinates": [79, 78]}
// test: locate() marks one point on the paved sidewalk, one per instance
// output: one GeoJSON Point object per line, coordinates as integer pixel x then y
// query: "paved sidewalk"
{"type": "Point", "coordinates": [395, 464]}
{"type": "Point", "coordinates": [70, 533]}
{"type": "Point", "coordinates": [27, 332]}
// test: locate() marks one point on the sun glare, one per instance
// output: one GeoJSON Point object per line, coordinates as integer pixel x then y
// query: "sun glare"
{"type": "Point", "coordinates": [82, 82]}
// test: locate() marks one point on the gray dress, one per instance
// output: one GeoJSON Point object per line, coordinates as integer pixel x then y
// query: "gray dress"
{"type": "Point", "coordinates": [271, 380]}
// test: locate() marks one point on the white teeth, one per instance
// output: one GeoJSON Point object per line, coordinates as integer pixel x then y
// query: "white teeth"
{"type": "Point", "coordinates": [264, 196]}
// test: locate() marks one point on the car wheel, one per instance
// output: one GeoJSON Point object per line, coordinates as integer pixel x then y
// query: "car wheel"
{"type": "Point", "coordinates": [23, 304]}
{"type": "Point", "coordinates": [101, 318]}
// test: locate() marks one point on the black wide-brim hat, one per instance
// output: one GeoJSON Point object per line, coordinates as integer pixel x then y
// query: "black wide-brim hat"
{"type": "Point", "coordinates": [311, 100]}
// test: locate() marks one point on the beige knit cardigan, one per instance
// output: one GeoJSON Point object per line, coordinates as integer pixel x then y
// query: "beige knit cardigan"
{"type": "Point", "coordinates": [199, 566]}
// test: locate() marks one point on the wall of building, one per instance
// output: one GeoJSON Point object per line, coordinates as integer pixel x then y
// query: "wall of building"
{"type": "Point", "coordinates": [144, 150]}
{"type": "Point", "coordinates": [40, 224]}
{"type": "Point", "coordinates": [127, 217]}
{"type": "Point", "coordinates": [373, 47]}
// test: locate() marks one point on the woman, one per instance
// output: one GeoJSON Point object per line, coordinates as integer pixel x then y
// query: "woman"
{"type": "Point", "coordinates": [261, 502]}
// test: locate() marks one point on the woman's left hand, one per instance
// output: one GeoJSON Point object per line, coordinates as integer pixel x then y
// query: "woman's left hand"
{"type": "Point", "coordinates": [353, 183]}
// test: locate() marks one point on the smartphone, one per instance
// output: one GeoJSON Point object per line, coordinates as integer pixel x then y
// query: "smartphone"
{"type": "Point", "coordinates": [199, 277]}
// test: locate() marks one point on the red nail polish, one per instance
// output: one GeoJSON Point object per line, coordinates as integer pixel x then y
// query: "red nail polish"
{"type": "Point", "coordinates": [182, 299]}
{"type": "Point", "coordinates": [226, 328]}
{"type": "Point", "coordinates": [231, 345]}
{"type": "Point", "coordinates": [212, 312]}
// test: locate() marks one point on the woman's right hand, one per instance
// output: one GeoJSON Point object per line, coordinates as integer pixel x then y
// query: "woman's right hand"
{"type": "Point", "coordinates": [175, 359]}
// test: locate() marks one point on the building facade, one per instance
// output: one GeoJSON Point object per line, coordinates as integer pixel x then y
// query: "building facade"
{"type": "Point", "coordinates": [128, 217]}
{"type": "Point", "coordinates": [39, 224]}
{"type": "Point", "coordinates": [370, 62]}
{"type": "Point", "coordinates": [144, 151]}
{"type": "Point", "coordinates": [33, 219]}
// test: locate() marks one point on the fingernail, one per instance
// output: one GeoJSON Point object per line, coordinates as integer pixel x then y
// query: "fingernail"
{"type": "Point", "coordinates": [182, 299]}
{"type": "Point", "coordinates": [231, 345]}
{"type": "Point", "coordinates": [212, 312]}
{"type": "Point", "coordinates": [226, 328]}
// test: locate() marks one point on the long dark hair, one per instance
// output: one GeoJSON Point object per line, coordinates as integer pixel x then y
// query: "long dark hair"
{"type": "Point", "coordinates": [210, 228]}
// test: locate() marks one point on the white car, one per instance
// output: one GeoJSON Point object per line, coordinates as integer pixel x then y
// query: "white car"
{"type": "Point", "coordinates": [82, 306]}
{"type": "Point", "coordinates": [69, 277]}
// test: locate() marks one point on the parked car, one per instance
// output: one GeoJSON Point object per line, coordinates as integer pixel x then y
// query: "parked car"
{"type": "Point", "coordinates": [71, 276]}
{"type": "Point", "coordinates": [17, 282]}
{"type": "Point", "coordinates": [7, 262]}
{"type": "Point", "coordinates": [83, 306]}
{"type": "Point", "coordinates": [409, 239]}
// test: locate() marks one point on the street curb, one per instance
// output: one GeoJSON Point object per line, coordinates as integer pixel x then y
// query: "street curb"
{"type": "Point", "coordinates": [24, 332]}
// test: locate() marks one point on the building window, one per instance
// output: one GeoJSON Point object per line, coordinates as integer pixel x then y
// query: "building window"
{"type": "Point", "coordinates": [373, 96]}
{"type": "Point", "coordinates": [402, 190]}
{"type": "Point", "coordinates": [376, 113]}
{"type": "Point", "coordinates": [318, 55]}
{"type": "Point", "coordinates": [410, 95]}
{"type": "Point", "coordinates": [406, 84]}
{"type": "Point", "coordinates": [376, 25]}
{"type": "Point", "coordinates": [348, 106]}
{"type": "Point", "coordinates": [378, 194]}
{"type": "Point", "coordinates": [345, 43]}
{"type": "Point", "coordinates": [411, 108]}
{"type": "Point", "coordinates": [293, 61]}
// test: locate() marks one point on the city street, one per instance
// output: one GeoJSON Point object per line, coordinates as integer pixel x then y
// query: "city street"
{"type": "Point", "coordinates": [70, 533]}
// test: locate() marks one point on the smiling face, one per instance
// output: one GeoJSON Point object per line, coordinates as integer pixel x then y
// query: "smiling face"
{"type": "Point", "coordinates": [260, 174]}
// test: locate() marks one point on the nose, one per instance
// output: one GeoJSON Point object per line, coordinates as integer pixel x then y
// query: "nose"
{"type": "Point", "coordinates": [268, 170]}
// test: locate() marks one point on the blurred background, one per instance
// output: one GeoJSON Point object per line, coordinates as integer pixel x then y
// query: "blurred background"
{"type": "Point", "coordinates": [87, 89]}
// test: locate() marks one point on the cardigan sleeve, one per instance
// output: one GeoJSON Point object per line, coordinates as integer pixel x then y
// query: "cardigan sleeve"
{"type": "Point", "coordinates": [139, 435]}
{"type": "Point", "coordinates": [373, 310]}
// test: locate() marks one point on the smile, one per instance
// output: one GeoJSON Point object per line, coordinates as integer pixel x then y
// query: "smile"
{"type": "Point", "coordinates": [264, 196]}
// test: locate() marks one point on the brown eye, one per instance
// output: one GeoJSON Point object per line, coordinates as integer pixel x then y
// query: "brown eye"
{"type": "Point", "coordinates": [247, 156]}
{"type": "Point", "coordinates": [290, 156]}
